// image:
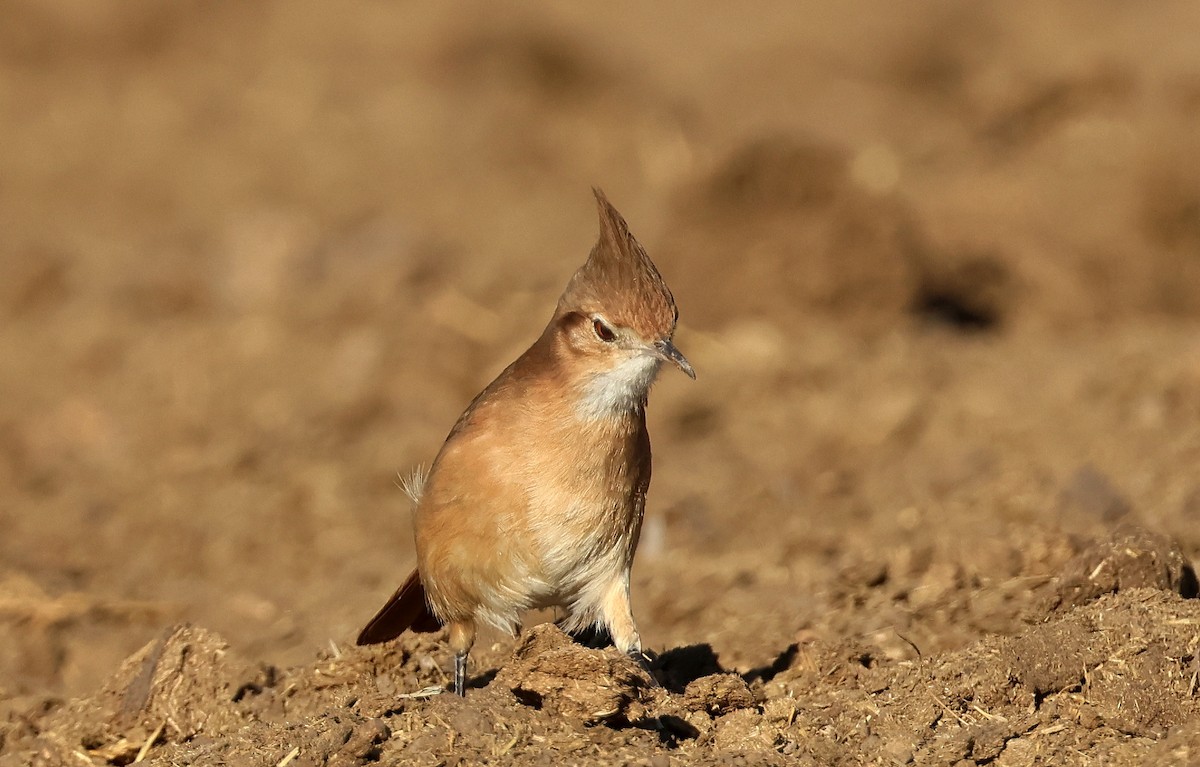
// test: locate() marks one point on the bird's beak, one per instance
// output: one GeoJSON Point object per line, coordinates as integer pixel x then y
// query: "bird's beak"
{"type": "Point", "coordinates": [669, 353]}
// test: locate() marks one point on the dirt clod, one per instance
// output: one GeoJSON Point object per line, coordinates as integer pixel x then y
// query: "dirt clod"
{"type": "Point", "coordinates": [718, 694]}
{"type": "Point", "coordinates": [1131, 558]}
{"type": "Point", "coordinates": [550, 671]}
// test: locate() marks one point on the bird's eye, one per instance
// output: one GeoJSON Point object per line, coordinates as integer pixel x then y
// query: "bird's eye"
{"type": "Point", "coordinates": [603, 332]}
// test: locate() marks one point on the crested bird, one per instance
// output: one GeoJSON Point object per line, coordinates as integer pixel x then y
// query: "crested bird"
{"type": "Point", "coordinates": [536, 498]}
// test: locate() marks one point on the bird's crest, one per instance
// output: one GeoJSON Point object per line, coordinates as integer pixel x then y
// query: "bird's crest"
{"type": "Point", "coordinates": [620, 281]}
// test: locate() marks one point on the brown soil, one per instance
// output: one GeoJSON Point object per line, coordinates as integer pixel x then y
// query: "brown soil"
{"type": "Point", "coordinates": [932, 499]}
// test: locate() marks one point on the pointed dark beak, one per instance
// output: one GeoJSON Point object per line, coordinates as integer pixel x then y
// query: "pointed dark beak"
{"type": "Point", "coordinates": [668, 352]}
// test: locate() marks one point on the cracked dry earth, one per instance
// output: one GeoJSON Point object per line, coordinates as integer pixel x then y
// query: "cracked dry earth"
{"type": "Point", "coordinates": [932, 499]}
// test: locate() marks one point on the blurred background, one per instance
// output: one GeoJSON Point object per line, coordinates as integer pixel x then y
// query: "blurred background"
{"type": "Point", "coordinates": [936, 265]}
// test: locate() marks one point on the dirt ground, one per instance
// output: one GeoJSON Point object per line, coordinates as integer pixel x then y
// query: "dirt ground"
{"type": "Point", "coordinates": [931, 500]}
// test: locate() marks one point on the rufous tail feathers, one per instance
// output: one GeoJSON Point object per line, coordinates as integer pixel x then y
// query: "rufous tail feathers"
{"type": "Point", "coordinates": [406, 609]}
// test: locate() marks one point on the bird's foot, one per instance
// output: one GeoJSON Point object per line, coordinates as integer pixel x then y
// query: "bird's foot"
{"type": "Point", "coordinates": [646, 660]}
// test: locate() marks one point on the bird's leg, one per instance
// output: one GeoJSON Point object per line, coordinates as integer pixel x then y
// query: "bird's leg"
{"type": "Point", "coordinates": [460, 674]}
{"type": "Point", "coordinates": [462, 636]}
{"type": "Point", "coordinates": [618, 617]}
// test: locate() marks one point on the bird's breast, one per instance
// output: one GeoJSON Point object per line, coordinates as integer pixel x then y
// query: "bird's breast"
{"type": "Point", "coordinates": [585, 505]}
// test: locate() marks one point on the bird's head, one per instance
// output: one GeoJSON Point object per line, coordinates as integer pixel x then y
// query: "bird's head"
{"type": "Point", "coordinates": [617, 318]}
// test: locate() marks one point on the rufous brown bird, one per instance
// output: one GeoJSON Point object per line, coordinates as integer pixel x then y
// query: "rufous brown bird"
{"type": "Point", "coordinates": [536, 498]}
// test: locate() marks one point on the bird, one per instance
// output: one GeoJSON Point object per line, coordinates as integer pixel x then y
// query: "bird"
{"type": "Point", "coordinates": [536, 498]}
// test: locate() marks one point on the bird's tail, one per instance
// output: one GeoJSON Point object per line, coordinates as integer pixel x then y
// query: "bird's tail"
{"type": "Point", "coordinates": [407, 609]}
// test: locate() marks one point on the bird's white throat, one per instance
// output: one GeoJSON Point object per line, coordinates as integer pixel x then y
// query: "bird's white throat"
{"type": "Point", "coordinates": [622, 387]}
